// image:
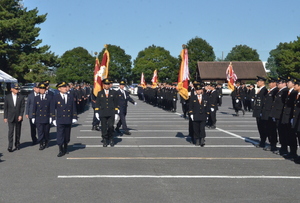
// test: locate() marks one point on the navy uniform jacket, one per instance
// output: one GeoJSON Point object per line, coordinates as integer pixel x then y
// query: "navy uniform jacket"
{"type": "Point", "coordinates": [29, 104]}
{"type": "Point", "coordinates": [122, 102]}
{"type": "Point", "coordinates": [268, 102]}
{"type": "Point", "coordinates": [41, 109]}
{"type": "Point", "coordinates": [11, 112]}
{"type": "Point", "coordinates": [278, 103]}
{"type": "Point", "coordinates": [107, 106]}
{"type": "Point", "coordinates": [296, 115]}
{"type": "Point", "coordinates": [259, 102]}
{"type": "Point", "coordinates": [213, 100]}
{"type": "Point", "coordinates": [61, 112]}
{"type": "Point", "coordinates": [288, 108]}
{"type": "Point", "coordinates": [199, 111]}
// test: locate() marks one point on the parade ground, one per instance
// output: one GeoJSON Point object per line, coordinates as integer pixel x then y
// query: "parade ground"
{"type": "Point", "coordinates": [156, 163]}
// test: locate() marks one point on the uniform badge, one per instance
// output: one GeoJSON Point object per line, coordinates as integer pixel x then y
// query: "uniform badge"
{"type": "Point", "coordinates": [38, 102]}
{"type": "Point", "coordinates": [101, 95]}
{"type": "Point", "coordinates": [58, 102]}
{"type": "Point", "coordinates": [270, 95]}
{"type": "Point", "coordinates": [194, 100]}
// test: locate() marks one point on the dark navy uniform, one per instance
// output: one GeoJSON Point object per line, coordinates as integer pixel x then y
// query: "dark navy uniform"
{"type": "Point", "coordinates": [41, 115]}
{"type": "Point", "coordinates": [213, 100]}
{"type": "Point", "coordinates": [63, 114]}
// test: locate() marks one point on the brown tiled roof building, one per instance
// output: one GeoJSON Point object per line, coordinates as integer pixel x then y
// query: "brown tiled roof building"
{"type": "Point", "coordinates": [216, 71]}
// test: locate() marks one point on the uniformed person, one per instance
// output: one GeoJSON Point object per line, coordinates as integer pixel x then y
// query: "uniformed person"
{"type": "Point", "coordinates": [198, 110]}
{"type": "Point", "coordinates": [41, 115]}
{"type": "Point", "coordinates": [107, 110]}
{"type": "Point", "coordinates": [63, 111]}
{"type": "Point", "coordinates": [237, 98]}
{"type": "Point", "coordinates": [174, 94]}
{"type": "Point", "coordinates": [213, 100]}
{"type": "Point", "coordinates": [123, 99]}
{"type": "Point", "coordinates": [295, 122]}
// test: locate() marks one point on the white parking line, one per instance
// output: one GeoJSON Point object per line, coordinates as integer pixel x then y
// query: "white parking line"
{"type": "Point", "coordinates": [164, 146]}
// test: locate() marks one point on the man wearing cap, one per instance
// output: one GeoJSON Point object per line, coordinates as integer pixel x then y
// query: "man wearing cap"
{"type": "Point", "coordinates": [14, 106]}
{"type": "Point", "coordinates": [29, 110]}
{"type": "Point", "coordinates": [47, 83]}
{"type": "Point", "coordinates": [123, 99]}
{"type": "Point", "coordinates": [41, 115]}
{"type": "Point", "coordinates": [174, 98]}
{"type": "Point", "coordinates": [198, 109]}
{"type": "Point", "coordinates": [63, 112]}
{"type": "Point", "coordinates": [213, 100]}
{"type": "Point", "coordinates": [107, 110]}
{"type": "Point", "coordinates": [237, 98]}
{"type": "Point", "coordinates": [271, 131]}
{"type": "Point", "coordinates": [295, 123]}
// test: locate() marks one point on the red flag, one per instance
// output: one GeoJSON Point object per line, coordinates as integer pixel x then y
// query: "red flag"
{"type": "Point", "coordinates": [183, 76]}
{"type": "Point", "coordinates": [154, 78]}
{"type": "Point", "coordinates": [143, 82]}
{"type": "Point", "coordinates": [101, 71]}
{"type": "Point", "coordinates": [231, 77]}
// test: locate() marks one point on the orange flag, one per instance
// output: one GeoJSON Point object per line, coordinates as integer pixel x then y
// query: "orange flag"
{"type": "Point", "coordinates": [154, 78]}
{"type": "Point", "coordinates": [143, 82]}
{"type": "Point", "coordinates": [183, 75]}
{"type": "Point", "coordinates": [101, 71]}
{"type": "Point", "coordinates": [231, 77]}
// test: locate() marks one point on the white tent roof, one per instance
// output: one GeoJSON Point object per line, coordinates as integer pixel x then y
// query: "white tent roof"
{"type": "Point", "coordinates": [4, 77]}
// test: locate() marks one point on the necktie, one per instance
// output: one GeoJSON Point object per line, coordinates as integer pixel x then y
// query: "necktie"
{"type": "Point", "coordinates": [124, 94]}
{"type": "Point", "coordinates": [106, 93]}
{"type": "Point", "coordinates": [297, 96]}
{"type": "Point", "coordinates": [199, 99]}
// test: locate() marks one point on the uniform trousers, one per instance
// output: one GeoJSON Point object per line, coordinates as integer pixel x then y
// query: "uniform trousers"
{"type": "Point", "coordinates": [283, 131]}
{"type": "Point", "coordinates": [63, 133]}
{"type": "Point", "coordinates": [294, 141]}
{"type": "Point", "coordinates": [43, 132]}
{"type": "Point", "coordinates": [199, 129]}
{"type": "Point", "coordinates": [32, 131]}
{"type": "Point", "coordinates": [272, 132]}
{"type": "Point", "coordinates": [261, 126]}
{"type": "Point", "coordinates": [107, 127]}
{"type": "Point", "coordinates": [12, 126]}
{"type": "Point", "coordinates": [96, 122]}
{"type": "Point", "coordinates": [191, 129]}
{"type": "Point", "coordinates": [174, 103]}
{"type": "Point", "coordinates": [122, 121]}
{"type": "Point", "coordinates": [212, 118]}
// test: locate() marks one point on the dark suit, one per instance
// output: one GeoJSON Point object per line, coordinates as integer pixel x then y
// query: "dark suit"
{"type": "Point", "coordinates": [28, 111]}
{"type": "Point", "coordinates": [63, 113]}
{"type": "Point", "coordinates": [199, 112]}
{"type": "Point", "coordinates": [295, 126]}
{"type": "Point", "coordinates": [213, 100]}
{"type": "Point", "coordinates": [11, 113]}
{"type": "Point", "coordinates": [107, 107]}
{"type": "Point", "coordinates": [123, 103]}
{"type": "Point", "coordinates": [41, 113]}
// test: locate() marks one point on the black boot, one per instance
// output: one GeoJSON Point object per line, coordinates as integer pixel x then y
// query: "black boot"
{"type": "Point", "coordinates": [61, 151]}
{"type": "Point", "coordinates": [97, 128]}
{"type": "Point", "coordinates": [66, 148]}
{"type": "Point", "coordinates": [42, 146]}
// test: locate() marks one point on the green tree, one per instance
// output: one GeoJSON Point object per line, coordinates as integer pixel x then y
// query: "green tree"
{"type": "Point", "coordinates": [20, 54]}
{"type": "Point", "coordinates": [119, 65]}
{"type": "Point", "coordinates": [198, 50]}
{"type": "Point", "coordinates": [155, 58]}
{"type": "Point", "coordinates": [76, 65]}
{"type": "Point", "coordinates": [242, 53]}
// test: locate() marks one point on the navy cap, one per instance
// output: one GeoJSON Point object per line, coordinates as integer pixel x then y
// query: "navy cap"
{"type": "Point", "coordinates": [259, 78]}
{"type": "Point", "coordinates": [271, 79]}
{"type": "Point", "coordinates": [15, 86]}
{"type": "Point", "coordinates": [198, 87]}
{"type": "Point", "coordinates": [61, 84]}
{"type": "Point", "coordinates": [281, 79]}
{"type": "Point", "coordinates": [106, 81]}
{"type": "Point", "coordinates": [292, 79]}
{"type": "Point", "coordinates": [42, 85]}
{"type": "Point", "coordinates": [122, 83]}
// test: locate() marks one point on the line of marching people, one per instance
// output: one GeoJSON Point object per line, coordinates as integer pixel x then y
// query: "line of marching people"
{"type": "Point", "coordinates": [277, 112]}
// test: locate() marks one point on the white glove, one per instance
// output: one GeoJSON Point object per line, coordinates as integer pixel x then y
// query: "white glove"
{"type": "Point", "coordinates": [252, 99]}
{"type": "Point", "coordinates": [135, 104]}
{"type": "Point", "coordinates": [117, 118]}
{"type": "Point", "coordinates": [54, 123]}
{"type": "Point", "coordinates": [292, 121]}
{"type": "Point", "coordinates": [192, 117]}
{"type": "Point", "coordinates": [273, 119]}
{"type": "Point", "coordinates": [50, 120]}
{"type": "Point", "coordinates": [33, 120]}
{"type": "Point", "coordinates": [237, 101]}
{"type": "Point", "coordinates": [97, 116]}
{"type": "Point", "coordinates": [260, 115]}
{"type": "Point", "coordinates": [74, 120]}
{"type": "Point", "coordinates": [212, 109]}
{"type": "Point", "coordinates": [174, 99]}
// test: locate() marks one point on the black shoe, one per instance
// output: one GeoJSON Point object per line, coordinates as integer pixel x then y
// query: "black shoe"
{"type": "Point", "coordinates": [10, 150]}
{"type": "Point", "coordinates": [281, 152]}
{"type": "Point", "coordinates": [18, 147]}
{"type": "Point", "coordinates": [127, 132]}
{"type": "Point", "coordinates": [290, 156]}
{"type": "Point", "coordinates": [213, 127]}
{"type": "Point", "coordinates": [104, 143]}
{"type": "Point", "coordinates": [297, 160]}
{"type": "Point", "coordinates": [61, 151]}
{"type": "Point", "coordinates": [97, 128]}
{"type": "Point", "coordinates": [260, 145]}
{"type": "Point", "coordinates": [46, 144]}
{"type": "Point", "coordinates": [197, 142]}
{"type": "Point", "coordinates": [111, 143]}
{"type": "Point", "coordinates": [42, 146]}
{"type": "Point", "coordinates": [270, 148]}
{"type": "Point", "coordinates": [202, 142]}
{"type": "Point", "coordinates": [118, 130]}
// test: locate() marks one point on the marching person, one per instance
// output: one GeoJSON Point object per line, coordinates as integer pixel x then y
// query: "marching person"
{"type": "Point", "coordinates": [237, 98]}
{"type": "Point", "coordinates": [198, 110]}
{"type": "Point", "coordinates": [295, 122]}
{"type": "Point", "coordinates": [95, 122]}
{"type": "Point", "coordinates": [41, 115]}
{"type": "Point", "coordinates": [123, 99]}
{"type": "Point", "coordinates": [63, 111]}
{"type": "Point", "coordinates": [213, 100]}
{"type": "Point", "coordinates": [107, 111]}
{"type": "Point", "coordinates": [29, 110]}
{"type": "Point", "coordinates": [14, 106]}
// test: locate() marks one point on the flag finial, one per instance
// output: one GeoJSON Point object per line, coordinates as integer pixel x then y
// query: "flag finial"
{"type": "Point", "coordinates": [183, 46]}
{"type": "Point", "coordinates": [96, 53]}
{"type": "Point", "coordinates": [105, 46]}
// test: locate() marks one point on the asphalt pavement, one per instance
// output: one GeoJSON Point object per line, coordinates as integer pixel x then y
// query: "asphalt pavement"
{"type": "Point", "coordinates": [156, 163]}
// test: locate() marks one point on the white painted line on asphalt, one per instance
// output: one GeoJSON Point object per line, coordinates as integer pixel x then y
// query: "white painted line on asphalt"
{"type": "Point", "coordinates": [176, 158]}
{"type": "Point", "coordinates": [122, 137]}
{"type": "Point", "coordinates": [238, 136]}
{"type": "Point", "coordinates": [165, 146]}
{"type": "Point", "coordinates": [179, 176]}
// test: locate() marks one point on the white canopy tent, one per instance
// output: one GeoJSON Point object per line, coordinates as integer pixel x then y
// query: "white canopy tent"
{"type": "Point", "coordinates": [4, 77]}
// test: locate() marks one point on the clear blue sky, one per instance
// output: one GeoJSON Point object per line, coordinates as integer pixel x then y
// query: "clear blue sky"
{"type": "Point", "coordinates": [136, 24]}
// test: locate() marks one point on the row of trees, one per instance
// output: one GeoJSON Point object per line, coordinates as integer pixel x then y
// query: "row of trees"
{"type": "Point", "coordinates": [22, 56]}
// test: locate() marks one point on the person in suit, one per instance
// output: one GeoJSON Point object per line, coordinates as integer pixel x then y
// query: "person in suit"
{"type": "Point", "coordinates": [107, 110]}
{"type": "Point", "coordinates": [47, 83]}
{"type": "Point", "coordinates": [213, 100]}
{"type": "Point", "coordinates": [219, 90]}
{"type": "Point", "coordinates": [41, 115]}
{"type": "Point", "coordinates": [198, 109]}
{"type": "Point", "coordinates": [95, 122]}
{"type": "Point", "coordinates": [14, 107]}
{"type": "Point", "coordinates": [237, 98]}
{"type": "Point", "coordinates": [295, 124]}
{"type": "Point", "coordinates": [63, 112]}
{"type": "Point", "coordinates": [174, 98]}
{"type": "Point", "coordinates": [29, 110]}
{"type": "Point", "coordinates": [123, 99]}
